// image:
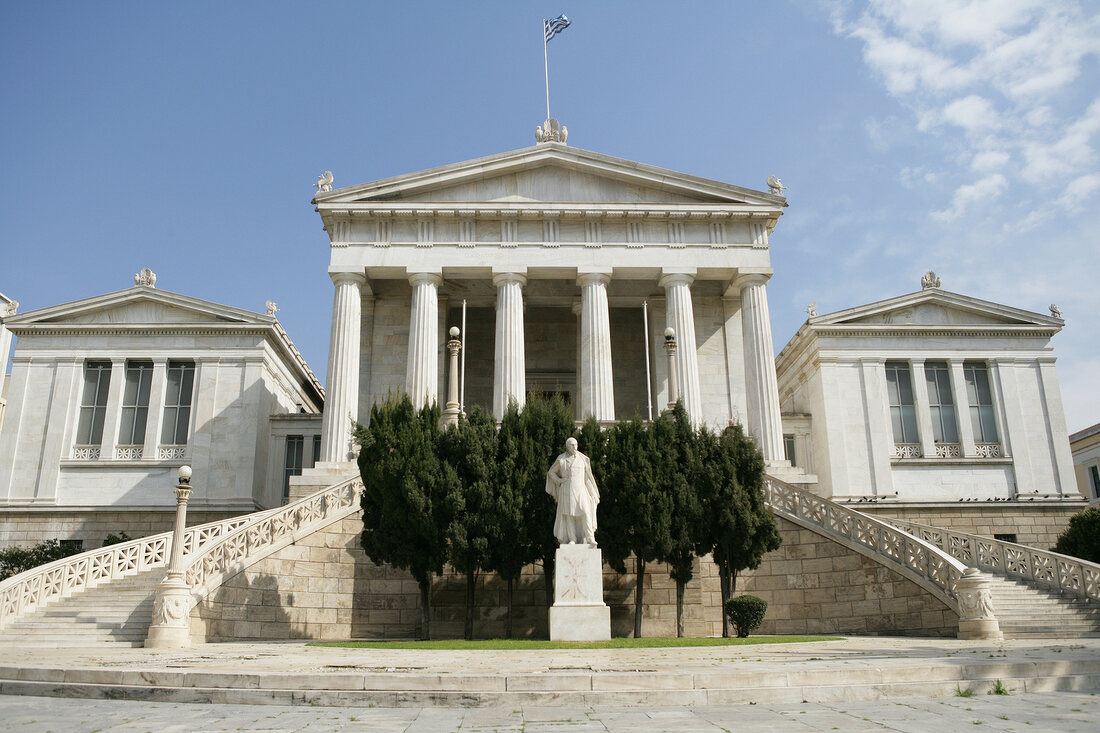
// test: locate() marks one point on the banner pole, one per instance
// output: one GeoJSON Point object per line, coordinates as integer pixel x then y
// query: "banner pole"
{"type": "Point", "coordinates": [546, 68]}
{"type": "Point", "coordinates": [462, 382]}
{"type": "Point", "coordinates": [648, 382]}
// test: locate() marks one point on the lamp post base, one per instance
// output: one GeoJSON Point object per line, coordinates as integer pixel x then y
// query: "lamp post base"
{"type": "Point", "coordinates": [171, 627]}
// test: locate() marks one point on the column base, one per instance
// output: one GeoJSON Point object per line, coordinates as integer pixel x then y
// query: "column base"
{"type": "Point", "coordinates": [171, 627]}
{"type": "Point", "coordinates": [982, 628]}
{"type": "Point", "coordinates": [450, 417]}
{"type": "Point", "coordinates": [580, 623]}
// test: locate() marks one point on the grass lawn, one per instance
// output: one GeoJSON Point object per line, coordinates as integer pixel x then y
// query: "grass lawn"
{"type": "Point", "coordinates": [617, 643]}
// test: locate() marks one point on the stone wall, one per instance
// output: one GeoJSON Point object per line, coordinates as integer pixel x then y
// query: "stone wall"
{"type": "Point", "coordinates": [92, 527]}
{"type": "Point", "coordinates": [1034, 524]}
{"type": "Point", "coordinates": [324, 587]}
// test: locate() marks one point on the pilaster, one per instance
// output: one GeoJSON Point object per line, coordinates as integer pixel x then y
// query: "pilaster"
{"type": "Point", "coordinates": [962, 409]}
{"type": "Point", "coordinates": [113, 414]}
{"type": "Point", "coordinates": [680, 316]}
{"type": "Point", "coordinates": [597, 394]}
{"type": "Point", "coordinates": [924, 412]}
{"type": "Point", "coordinates": [156, 410]}
{"type": "Point", "coordinates": [509, 375]}
{"type": "Point", "coordinates": [342, 382]}
{"type": "Point", "coordinates": [1057, 432]}
{"type": "Point", "coordinates": [876, 410]}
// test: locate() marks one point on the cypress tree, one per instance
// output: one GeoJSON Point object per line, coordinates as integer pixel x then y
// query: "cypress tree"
{"type": "Point", "coordinates": [511, 549]}
{"type": "Point", "coordinates": [468, 449]}
{"type": "Point", "coordinates": [404, 519]}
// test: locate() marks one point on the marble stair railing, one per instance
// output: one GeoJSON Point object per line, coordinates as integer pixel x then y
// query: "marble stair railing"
{"type": "Point", "coordinates": [1050, 570]}
{"type": "Point", "coordinates": [964, 590]}
{"type": "Point", "coordinates": [38, 587]}
{"type": "Point", "coordinates": [237, 550]}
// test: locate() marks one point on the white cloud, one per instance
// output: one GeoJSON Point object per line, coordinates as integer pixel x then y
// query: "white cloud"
{"type": "Point", "coordinates": [989, 160]}
{"type": "Point", "coordinates": [971, 113]}
{"type": "Point", "coordinates": [987, 189]}
{"type": "Point", "coordinates": [910, 177]}
{"type": "Point", "coordinates": [1078, 191]}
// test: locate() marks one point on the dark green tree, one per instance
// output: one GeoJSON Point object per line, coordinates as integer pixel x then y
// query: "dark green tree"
{"type": "Point", "coordinates": [1082, 536]}
{"type": "Point", "coordinates": [545, 423]}
{"type": "Point", "coordinates": [404, 518]}
{"type": "Point", "coordinates": [739, 527]}
{"type": "Point", "coordinates": [677, 457]}
{"type": "Point", "coordinates": [512, 548]}
{"type": "Point", "coordinates": [468, 449]}
{"type": "Point", "coordinates": [635, 509]}
{"type": "Point", "coordinates": [15, 560]}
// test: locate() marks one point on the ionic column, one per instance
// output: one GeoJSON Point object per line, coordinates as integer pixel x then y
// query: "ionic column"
{"type": "Point", "coordinates": [422, 368]}
{"type": "Point", "coordinates": [509, 380]}
{"type": "Point", "coordinates": [596, 385]}
{"type": "Point", "coordinates": [765, 423]}
{"type": "Point", "coordinates": [680, 317]}
{"type": "Point", "coordinates": [342, 382]}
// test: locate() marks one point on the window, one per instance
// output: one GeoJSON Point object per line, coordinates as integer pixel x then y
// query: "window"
{"type": "Point", "coordinates": [940, 402]}
{"type": "Point", "coordinates": [788, 449]}
{"type": "Point", "coordinates": [177, 402]}
{"type": "Point", "coordinates": [903, 414]}
{"type": "Point", "coordinates": [1094, 475]}
{"type": "Point", "coordinates": [292, 466]}
{"type": "Point", "coordinates": [93, 402]}
{"type": "Point", "coordinates": [316, 450]}
{"type": "Point", "coordinates": [135, 402]}
{"type": "Point", "coordinates": [981, 402]}
{"type": "Point", "coordinates": [1006, 537]}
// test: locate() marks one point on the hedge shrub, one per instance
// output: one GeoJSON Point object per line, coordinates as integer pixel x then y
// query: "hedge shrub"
{"type": "Point", "coordinates": [1082, 537]}
{"type": "Point", "coordinates": [746, 613]}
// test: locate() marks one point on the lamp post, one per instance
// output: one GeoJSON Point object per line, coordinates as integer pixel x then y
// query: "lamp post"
{"type": "Point", "coordinates": [673, 381]}
{"type": "Point", "coordinates": [454, 406]}
{"type": "Point", "coordinates": [171, 627]}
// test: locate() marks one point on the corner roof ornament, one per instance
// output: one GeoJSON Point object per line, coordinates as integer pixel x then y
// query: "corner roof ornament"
{"type": "Point", "coordinates": [324, 182]}
{"type": "Point", "coordinates": [146, 278]}
{"type": "Point", "coordinates": [775, 186]}
{"type": "Point", "coordinates": [929, 280]}
{"type": "Point", "coordinates": [551, 131]}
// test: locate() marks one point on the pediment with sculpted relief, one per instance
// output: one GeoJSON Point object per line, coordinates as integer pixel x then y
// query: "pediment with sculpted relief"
{"type": "Point", "coordinates": [935, 308]}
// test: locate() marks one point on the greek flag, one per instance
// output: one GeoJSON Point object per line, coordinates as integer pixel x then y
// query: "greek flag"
{"type": "Point", "coordinates": [554, 26]}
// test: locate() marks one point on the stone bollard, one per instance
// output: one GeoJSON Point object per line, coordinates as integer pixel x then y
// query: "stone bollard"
{"type": "Point", "coordinates": [976, 617]}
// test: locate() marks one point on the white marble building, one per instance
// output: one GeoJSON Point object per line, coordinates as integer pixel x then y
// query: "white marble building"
{"type": "Point", "coordinates": [561, 256]}
{"type": "Point", "coordinates": [111, 394]}
{"type": "Point", "coordinates": [8, 308]}
{"type": "Point", "coordinates": [929, 397]}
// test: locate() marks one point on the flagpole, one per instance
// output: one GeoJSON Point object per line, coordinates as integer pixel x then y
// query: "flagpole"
{"type": "Point", "coordinates": [546, 68]}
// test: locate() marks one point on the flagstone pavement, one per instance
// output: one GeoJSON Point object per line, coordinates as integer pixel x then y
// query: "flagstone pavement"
{"type": "Point", "coordinates": [1064, 712]}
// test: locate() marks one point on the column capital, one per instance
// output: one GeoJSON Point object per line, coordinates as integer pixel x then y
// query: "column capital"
{"type": "Point", "coordinates": [671, 278]}
{"type": "Point", "coordinates": [425, 278]}
{"type": "Point", "coordinates": [749, 279]}
{"type": "Point", "coordinates": [600, 277]}
{"type": "Point", "coordinates": [356, 276]}
{"type": "Point", "coordinates": [503, 278]}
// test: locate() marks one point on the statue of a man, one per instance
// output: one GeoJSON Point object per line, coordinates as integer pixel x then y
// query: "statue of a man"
{"type": "Point", "coordinates": [571, 483]}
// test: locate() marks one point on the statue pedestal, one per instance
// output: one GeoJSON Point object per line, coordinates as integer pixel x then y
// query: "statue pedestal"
{"type": "Point", "coordinates": [579, 613]}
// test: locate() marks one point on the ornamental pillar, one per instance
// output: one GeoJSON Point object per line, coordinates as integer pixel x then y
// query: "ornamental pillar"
{"type": "Point", "coordinates": [342, 381]}
{"type": "Point", "coordinates": [509, 375]}
{"type": "Point", "coordinates": [680, 317]}
{"type": "Point", "coordinates": [761, 386]}
{"type": "Point", "coordinates": [422, 368]}
{"type": "Point", "coordinates": [596, 383]}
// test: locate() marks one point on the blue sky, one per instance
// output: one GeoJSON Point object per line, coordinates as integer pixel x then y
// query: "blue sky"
{"type": "Point", "coordinates": [955, 136]}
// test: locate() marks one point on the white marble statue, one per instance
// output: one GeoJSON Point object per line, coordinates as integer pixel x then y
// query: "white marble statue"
{"type": "Point", "coordinates": [1055, 311]}
{"type": "Point", "coordinates": [324, 182]}
{"type": "Point", "coordinates": [930, 280]}
{"type": "Point", "coordinates": [775, 185]}
{"type": "Point", "coordinates": [571, 483]}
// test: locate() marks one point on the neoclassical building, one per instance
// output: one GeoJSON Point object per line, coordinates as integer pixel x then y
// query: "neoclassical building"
{"type": "Point", "coordinates": [111, 394]}
{"type": "Point", "coordinates": [569, 265]}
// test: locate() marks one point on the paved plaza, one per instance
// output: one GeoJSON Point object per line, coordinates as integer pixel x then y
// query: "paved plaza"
{"type": "Point", "coordinates": [1056, 711]}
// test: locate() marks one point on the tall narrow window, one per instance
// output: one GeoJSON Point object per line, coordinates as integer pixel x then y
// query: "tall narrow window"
{"type": "Point", "coordinates": [177, 402]}
{"type": "Point", "coordinates": [93, 402]}
{"type": "Point", "coordinates": [941, 403]}
{"type": "Point", "coordinates": [903, 413]}
{"type": "Point", "coordinates": [981, 402]}
{"type": "Point", "coordinates": [1094, 475]}
{"type": "Point", "coordinates": [135, 402]}
{"type": "Point", "coordinates": [788, 449]}
{"type": "Point", "coordinates": [316, 450]}
{"type": "Point", "coordinates": [292, 466]}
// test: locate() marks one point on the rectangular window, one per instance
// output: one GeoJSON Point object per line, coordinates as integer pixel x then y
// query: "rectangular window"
{"type": "Point", "coordinates": [788, 449]}
{"type": "Point", "coordinates": [135, 402]}
{"type": "Point", "coordinates": [316, 450]}
{"type": "Point", "coordinates": [1006, 537]}
{"type": "Point", "coordinates": [93, 402]}
{"type": "Point", "coordinates": [981, 402]}
{"type": "Point", "coordinates": [177, 402]}
{"type": "Point", "coordinates": [940, 402]}
{"type": "Point", "coordinates": [903, 413]}
{"type": "Point", "coordinates": [292, 466]}
{"type": "Point", "coordinates": [1094, 474]}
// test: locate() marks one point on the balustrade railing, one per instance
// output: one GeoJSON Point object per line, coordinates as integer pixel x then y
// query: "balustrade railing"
{"type": "Point", "coordinates": [1060, 573]}
{"type": "Point", "coordinates": [212, 563]}
{"type": "Point", "coordinates": [912, 556]}
{"type": "Point", "coordinates": [37, 587]}
{"type": "Point", "coordinates": [907, 450]}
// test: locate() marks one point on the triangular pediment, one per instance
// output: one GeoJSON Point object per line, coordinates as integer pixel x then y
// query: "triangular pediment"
{"type": "Point", "coordinates": [137, 306]}
{"type": "Point", "coordinates": [935, 308]}
{"type": "Point", "coordinates": [550, 172]}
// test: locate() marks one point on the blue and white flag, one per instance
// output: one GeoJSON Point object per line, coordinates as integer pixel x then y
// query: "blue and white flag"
{"type": "Point", "coordinates": [554, 26]}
